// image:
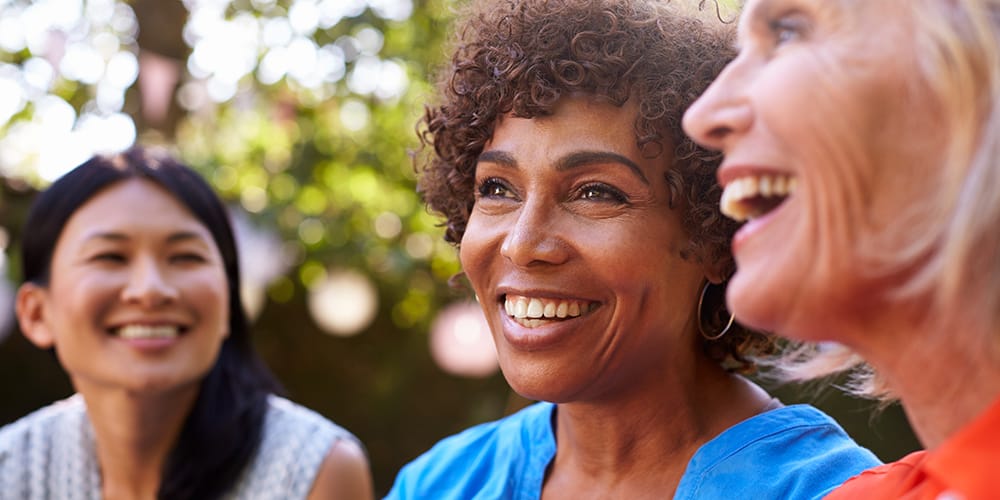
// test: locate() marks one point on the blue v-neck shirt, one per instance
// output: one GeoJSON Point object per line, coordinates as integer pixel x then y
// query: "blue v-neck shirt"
{"type": "Point", "coordinates": [794, 452]}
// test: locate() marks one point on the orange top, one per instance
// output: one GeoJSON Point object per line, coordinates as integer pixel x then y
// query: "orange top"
{"type": "Point", "coordinates": [966, 466]}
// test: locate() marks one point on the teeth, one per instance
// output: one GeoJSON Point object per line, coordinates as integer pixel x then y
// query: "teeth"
{"type": "Point", "coordinates": [147, 332]}
{"type": "Point", "coordinates": [535, 308]}
{"type": "Point", "coordinates": [520, 308]}
{"type": "Point", "coordinates": [734, 203]}
{"type": "Point", "coordinates": [562, 310]}
{"type": "Point", "coordinates": [550, 310]}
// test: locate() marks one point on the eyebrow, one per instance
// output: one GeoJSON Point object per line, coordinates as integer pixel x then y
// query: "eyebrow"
{"type": "Point", "coordinates": [573, 160]}
{"type": "Point", "coordinates": [751, 20]}
{"type": "Point", "coordinates": [116, 236]}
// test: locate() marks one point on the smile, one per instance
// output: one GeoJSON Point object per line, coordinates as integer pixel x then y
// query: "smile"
{"type": "Point", "coordinates": [132, 332]}
{"type": "Point", "coordinates": [533, 311]}
{"type": "Point", "coordinates": [752, 196]}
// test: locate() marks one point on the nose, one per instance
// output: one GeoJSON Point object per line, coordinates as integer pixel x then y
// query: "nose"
{"type": "Point", "coordinates": [721, 113]}
{"type": "Point", "coordinates": [534, 239]}
{"type": "Point", "coordinates": [147, 286]}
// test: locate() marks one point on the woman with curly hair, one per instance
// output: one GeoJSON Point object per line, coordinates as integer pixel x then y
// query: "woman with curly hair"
{"type": "Point", "coordinates": [587, 224]}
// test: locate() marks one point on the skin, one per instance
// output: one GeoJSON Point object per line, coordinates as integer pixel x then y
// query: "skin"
{"type": "Point", "coordinates": [813, 268]}
{"type": "Point", "coordinates": [568, 208]}
{"type": "Point", "coordinates": [153, 264]}
{"type": "Point", "coordinates": [344, 474]}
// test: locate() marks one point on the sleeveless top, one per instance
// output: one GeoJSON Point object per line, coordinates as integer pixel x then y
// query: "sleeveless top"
{"type": "Point", "coordinates": [51, 454]}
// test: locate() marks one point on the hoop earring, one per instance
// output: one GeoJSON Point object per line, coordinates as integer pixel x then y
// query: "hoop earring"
{"type": "Point", "coordinates": [701, 327]}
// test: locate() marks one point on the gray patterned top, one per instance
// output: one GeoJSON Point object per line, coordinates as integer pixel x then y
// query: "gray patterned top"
{"type": "Point", "coordinates": [50, 454]}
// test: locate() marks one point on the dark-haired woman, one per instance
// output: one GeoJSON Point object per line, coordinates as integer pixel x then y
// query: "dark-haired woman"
{"type": "Point", "coordinates": [130, 276]}
{"type": "Point", "coordinates": [588, 227]}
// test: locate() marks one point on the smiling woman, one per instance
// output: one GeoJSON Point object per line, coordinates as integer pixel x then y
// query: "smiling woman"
{"type": "Point", "coordinates": [131, 277]}
{"type": "Point", "coordinates": [587, 224]}
{"type": "Point", "coordinates": [883, 118]}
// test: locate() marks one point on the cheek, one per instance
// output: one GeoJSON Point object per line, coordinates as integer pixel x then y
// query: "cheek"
{"type": "Point", "coordinates": [475, 249]}
{"type": "Point", "coordinates": [210, 294]}
{"type": "Point", "coordinates": [834, 148]}
{"type": "Point", "coordinates": [82, 304]}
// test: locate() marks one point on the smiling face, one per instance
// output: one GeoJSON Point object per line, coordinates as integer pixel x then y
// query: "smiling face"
{"type": "Point", "coordinates": [574, 253]}
{"type": "Point", "coordinates": [829, 138]}
{"type": "Point", "coordinates": [138, 296]}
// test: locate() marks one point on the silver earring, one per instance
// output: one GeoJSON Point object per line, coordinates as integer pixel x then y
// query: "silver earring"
{"type": "Point", "coordinates": [701, 327]}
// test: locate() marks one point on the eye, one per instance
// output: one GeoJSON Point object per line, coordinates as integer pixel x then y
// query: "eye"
{"type": "Point", "coordinates": [493, 187]}
{"type": "Point", "coordinates": [187, 257]}
{"type": "Point", "coordinates": [110, 257]}
{"type": "Point", "coordinates": [787, 28]}
{"type": "Point", "coordinates": [602, 192]}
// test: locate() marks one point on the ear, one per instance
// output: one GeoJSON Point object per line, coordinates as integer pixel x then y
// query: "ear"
{"type": "Point", "coordinates": [30, 310]}
{"type": "Point", "coordinates": [714, 273]}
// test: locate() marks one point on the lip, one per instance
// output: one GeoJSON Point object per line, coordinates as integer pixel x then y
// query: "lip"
{"type": "Point", "coordinates": [538, 338]}
{"type": "Point", "coordinates": [541, 337]}
{"type": "Point", "coordinates": [752, 227]}
{"type": "Point", "coordinates": [149, 345]}
{"type": "Point", "coordinates": [729, 172]}
{"type": "Point", "coordinates": [181, 325]}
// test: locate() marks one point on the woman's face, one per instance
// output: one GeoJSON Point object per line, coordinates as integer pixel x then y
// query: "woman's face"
{"type": "Point", "coordinates": [138, 298]}
{"type": "Point", "coordinates": [574, 254]}
{"type": "Point", "coordinates": [829, 139]}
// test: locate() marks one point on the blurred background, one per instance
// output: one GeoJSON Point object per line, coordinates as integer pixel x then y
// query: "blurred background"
{"type": "Point", "coordinates": [301, 113]}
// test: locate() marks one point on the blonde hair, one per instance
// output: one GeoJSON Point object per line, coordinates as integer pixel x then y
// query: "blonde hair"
{"type": "Point", "coordinates": [954, 236]}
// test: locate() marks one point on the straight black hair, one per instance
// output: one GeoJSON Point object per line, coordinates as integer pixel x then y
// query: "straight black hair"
{"type": "Point", "coordinates": [223, 430]}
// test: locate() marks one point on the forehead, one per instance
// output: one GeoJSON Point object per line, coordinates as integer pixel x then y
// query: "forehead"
{"type": "Point", "coordinates": [132, 205]}
{"type": "Point", "coordinates": [757, 13]}
{"type": "Point", "coordinates": [576, 121]}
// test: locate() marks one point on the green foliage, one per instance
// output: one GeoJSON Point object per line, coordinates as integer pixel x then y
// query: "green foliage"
{"type": "Point", "coordinates": [328, 170]}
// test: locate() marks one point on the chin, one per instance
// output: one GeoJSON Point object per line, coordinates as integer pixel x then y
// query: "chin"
{"type": "Point", "coordinates": [537, 385]}
{"type": "Point", "coordinates": [753, 304]}
{"type": "Point", "coordinates": [791, 312]}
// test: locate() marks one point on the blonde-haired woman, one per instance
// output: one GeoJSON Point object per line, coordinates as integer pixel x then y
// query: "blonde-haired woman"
{"type": "Point", "coordinates": [862, 142]}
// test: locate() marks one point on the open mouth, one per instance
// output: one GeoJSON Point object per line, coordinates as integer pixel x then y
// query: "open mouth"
{"type": "Point", "coordinates": [750, 197]}
{"type": "Point", "coordinates": [135, 332]}
{"type": "Point", "coordinates": [535, 311]}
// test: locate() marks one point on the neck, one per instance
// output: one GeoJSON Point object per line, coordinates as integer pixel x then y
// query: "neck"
{"type": "Point", "coordinates": [134, 435]}
{"type": "Point", "coordinates": [944, 378]}
{"type": "Point", "coordinates": [644, 438]}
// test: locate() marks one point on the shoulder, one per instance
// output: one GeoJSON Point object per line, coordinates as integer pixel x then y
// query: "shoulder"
{"type": "Point", "coordinates": [963, 466]}
{"type": "Point", "coordinates": [285, 416]}
{"type": "Point", "coordinates": [344, 473]}
{"type": "Point", "coordinates": [884, 481]}
{"type": "Point", "coordinates": [39, 426]}
{"type": "Point", "coordinates": [47, 452]}
{"type": "Point", "coordinates": [488, 457]}
{"type": "Point", "coordinates": [802, 451]}
{"type": "Point", "coordinates": [294, 446]}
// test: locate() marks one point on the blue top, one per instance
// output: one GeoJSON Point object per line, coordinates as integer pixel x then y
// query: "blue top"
{"type": "Point", "coordinates": [794, 452]}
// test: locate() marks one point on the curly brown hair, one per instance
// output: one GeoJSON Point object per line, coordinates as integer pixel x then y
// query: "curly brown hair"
{"type": "Point", "coordinates": [521, 57]}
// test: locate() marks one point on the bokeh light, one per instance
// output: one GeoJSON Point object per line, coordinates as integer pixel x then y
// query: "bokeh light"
{"type": "Point", "coordinates": [461, 343]}
{"type": "Point", "coordinates": [344, 303]}
{"type": "Point", "coordinates": [262, 261]}
{"type": "Point", "coordinates": [64, 47]}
